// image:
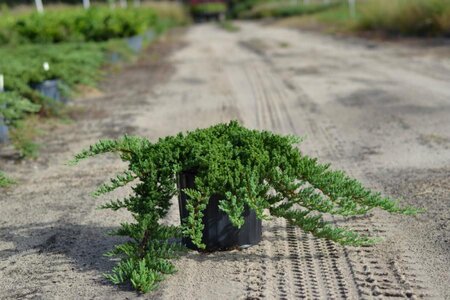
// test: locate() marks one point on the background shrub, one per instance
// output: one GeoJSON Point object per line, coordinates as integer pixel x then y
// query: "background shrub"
{"type": "Point", "coordinates": [406, 17]}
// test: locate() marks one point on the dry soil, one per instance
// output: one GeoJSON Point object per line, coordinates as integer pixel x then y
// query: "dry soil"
{"type": "Point", "coordinates": [379, 111]}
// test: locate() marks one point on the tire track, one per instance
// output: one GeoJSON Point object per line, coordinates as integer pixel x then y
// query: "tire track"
{"type": "Point", "coordinates": [376, 277]}
{"type": "Point", "coordinates": [289, 264]}
{"type": "Point", "coordinates": [305, 267]}
{"type": "Point", "coordinates": [372, 275]}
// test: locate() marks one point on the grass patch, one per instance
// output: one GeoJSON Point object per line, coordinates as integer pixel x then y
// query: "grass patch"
{"type": "Point", "coordinates": [208, 8]}
{"type": "Point", "coordinates": [24, 134]}
{"type": "Point", "coordinates": [421, 18]}
{"type": "Point", "coordinates": [5, 181]}
{"type": "Point", "coordinates": [229, 26]}
{"type": "Point", "coordinates": [281, 9]}
{"type": "Point", "coordinates": [406, 17]}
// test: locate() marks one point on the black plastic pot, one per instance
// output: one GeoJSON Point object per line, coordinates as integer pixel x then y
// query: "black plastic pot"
{"type": "Point", "coordinates": [219, 233]}
{"type": "Point", "coordinates": [49, 88]}
{"type": "Point", "coordinates": [135, 43]}
{"type": "Point", "coordinates": [4, 131]}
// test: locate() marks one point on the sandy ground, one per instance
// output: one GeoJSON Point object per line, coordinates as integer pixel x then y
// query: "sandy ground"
{"type": "Point", "coordinates": [381, 112]}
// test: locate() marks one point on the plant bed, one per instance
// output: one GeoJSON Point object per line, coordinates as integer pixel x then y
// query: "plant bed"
{"type": "Point", "coordinates": [237, 170]}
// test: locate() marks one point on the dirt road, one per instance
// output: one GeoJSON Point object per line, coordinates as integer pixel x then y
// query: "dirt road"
{"type": "Point", "coordinates": [381, 112]}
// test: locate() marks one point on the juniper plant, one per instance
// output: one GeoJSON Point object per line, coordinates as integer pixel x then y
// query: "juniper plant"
{"type": "Point", "coordinates": [14, 108]}
{"type": "Point", "coordinates": [258, 169]}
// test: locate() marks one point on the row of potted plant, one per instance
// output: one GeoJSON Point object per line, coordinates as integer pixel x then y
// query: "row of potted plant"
{"type": "Point", "coordinates": [46, 75]}
{"type": "Point", "coordinates": [99, 23]}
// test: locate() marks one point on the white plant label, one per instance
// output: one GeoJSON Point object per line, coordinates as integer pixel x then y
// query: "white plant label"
{"type": "Point", "coordinates": [2, 83]}
{"type": "Point", "coordinates": [39, 6]}
{"type": "Point", "coordinates": [86, 4]}
{"type": "Point", "coordinates": [352, 8]}
{"type": "Point", "coordinates": [46, 66]}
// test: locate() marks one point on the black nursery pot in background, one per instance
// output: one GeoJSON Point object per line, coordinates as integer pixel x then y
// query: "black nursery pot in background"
{"type": "Point", "coordinates": [219, 233]}
{"type": "Point", "coordinates": [4, 131]}
{"type": "Point", "coordinates": [49, 88]}
{"type": "Point", "coordinates": [135, 43]}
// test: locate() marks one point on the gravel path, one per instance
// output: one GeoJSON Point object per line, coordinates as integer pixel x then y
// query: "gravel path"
{"type": "Point", "coordinates": [379, 111]}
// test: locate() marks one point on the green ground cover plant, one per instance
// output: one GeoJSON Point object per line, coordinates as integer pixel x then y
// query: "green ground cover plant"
{"type": "Point", "coordinates": [280, 9]}
{"type": "Point", "coordinates": [79, 25]}
{"type": "Point", "coordinates": [75, 43]}
{"type": "Point", "coordinates": [405, 17]}
{"type": "Point", "coordinates": [76, 63]}
{"type": "Point", "coordinates": [5, 181]}
{"type": "Point", "coordinates": [13, 109]}
{"type": "Point", "coordinates": [239, 7]}
{"type": "Point", "coordinates": [428, 18]}
{"type": "Point", "coordinates": [208, 8]}
{"type": "Point", "coordinates": [229, 26]}
{"type": "Point", "coordinates": [73, 64]}
{"type": "Point", "coordinates": [258, 169]}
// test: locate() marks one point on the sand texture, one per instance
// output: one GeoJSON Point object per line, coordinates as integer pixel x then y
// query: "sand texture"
{"type": "Point", "coordinates": [379, 111]}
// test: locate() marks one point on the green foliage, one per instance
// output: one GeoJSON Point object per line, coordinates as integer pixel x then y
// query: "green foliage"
{"type": "Point", "coordinates": [5, 181]}
{"type": "Point", "coordinates": [406, 17]}
{"type": "Point", "coordinates": [77, 44]}
{"type": "Point", "coordinates": [208, 8]}
{"type": "Point", "coordinates": [285, 9]}
{"type": "Point", "coordinates": [229, 26]}
{"type": "Point", "coordinates": [392, 17]}
{"type": "Point", "coordinates": [258, 169]}
{"type": "Point", "coordinates": [22, 67]}
{"type": "Point", "coordinates": [13, 109]}
{"type": "Point", "coordinates": [240, 7]}
{"type": "Point", "coordinates": [79, 25]}
{"type": "Point", "coordinates": [74, 64]}
{"type": "Point", "coordinates": [144, 271]}
{"type": "Point", "coordinates": [22, 137]}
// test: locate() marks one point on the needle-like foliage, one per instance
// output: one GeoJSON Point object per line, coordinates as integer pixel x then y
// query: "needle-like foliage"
{"type": "Point", "coordinates": [258, 169]}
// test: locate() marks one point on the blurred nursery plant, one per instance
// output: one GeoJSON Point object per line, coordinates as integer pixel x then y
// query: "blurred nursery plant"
{"type": "Point", "coordinates": [13, 110]}
{"type": "Point", "coordinates": [259, 169]}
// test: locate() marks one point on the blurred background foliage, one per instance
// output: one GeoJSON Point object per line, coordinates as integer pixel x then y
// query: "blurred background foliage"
{"type": "Point", "coordinates": [69, 44]}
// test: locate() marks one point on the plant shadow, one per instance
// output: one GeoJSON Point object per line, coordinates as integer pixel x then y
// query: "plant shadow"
{"type": "Point", "coordinates": [83, 245]}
